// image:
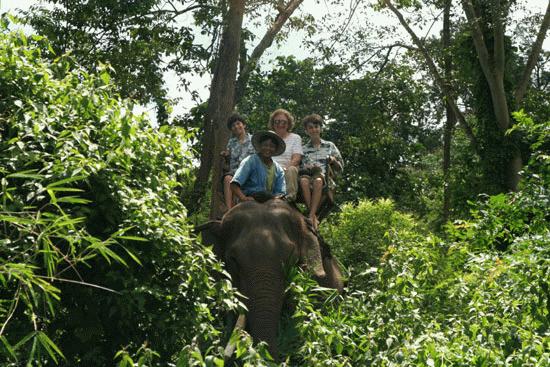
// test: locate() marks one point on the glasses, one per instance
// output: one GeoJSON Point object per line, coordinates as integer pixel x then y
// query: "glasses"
{"type": "Point", "coordinates": [279, 122]}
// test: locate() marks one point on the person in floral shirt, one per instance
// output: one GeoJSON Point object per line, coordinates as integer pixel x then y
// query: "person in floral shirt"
{"type": "Point", "coordinates": [238, 148]}
{"type": "Point", "coordinates": [317, 154]}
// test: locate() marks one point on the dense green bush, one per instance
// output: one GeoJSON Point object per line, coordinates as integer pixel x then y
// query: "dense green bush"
{"type": "Point", "coordinates": [96, 254]}
{"type": "Point", "coordinates": [478, 297]}
{"type": "Point", "coordinates": [361, 233]}
{"type": "Point", "coordinates": [435, 302]}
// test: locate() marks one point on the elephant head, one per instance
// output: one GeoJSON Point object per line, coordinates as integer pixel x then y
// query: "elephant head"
{"type": "Point", "coordinates": [256, 241]}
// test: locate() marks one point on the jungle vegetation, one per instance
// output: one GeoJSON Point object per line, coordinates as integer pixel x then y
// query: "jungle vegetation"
{"type": "Point", "coordinates": [441, 223]}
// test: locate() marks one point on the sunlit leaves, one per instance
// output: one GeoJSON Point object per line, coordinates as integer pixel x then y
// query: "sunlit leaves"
{"type": "Point", "coordinates": [141, 40]}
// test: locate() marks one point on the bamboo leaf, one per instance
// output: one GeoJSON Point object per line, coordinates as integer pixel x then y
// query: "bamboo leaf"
{"type": "Point", "coordinates": [63, 189]}
{"type": "Point", "coordinates": [73, 200]}
{"type": "Point", "coordinates": [134, 257]}
{"type": "Point", "coordinates": [26, 174]}
{"type": "Point", "coordinates": [66, 180]}
{"type": "Point", "coordinates": [8, 347]}
{"type": "Point", "coordinates": [24, 340]}
{"type": "Point", "coordinates": [15, 220]}
{"type": "Point", "coordinates": [49, 346]}
{"type": "Point", "coordinates": [133, 238]}
{"type": "Point", "coordinates": [33, 350]}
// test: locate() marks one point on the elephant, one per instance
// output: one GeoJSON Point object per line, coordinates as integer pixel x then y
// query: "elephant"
{"type": "Point", "coordinates": [256, 241]}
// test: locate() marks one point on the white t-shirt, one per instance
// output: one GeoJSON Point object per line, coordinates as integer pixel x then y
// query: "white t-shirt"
{"type": "Point", "coordinates": [293, 146]}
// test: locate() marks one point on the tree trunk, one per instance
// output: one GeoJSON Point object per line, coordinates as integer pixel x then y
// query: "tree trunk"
{"type": "Point", "coordinates": [225, 93]}
{"type": "Point", "coordinates": [494, 74]}
{"type": "Point", "coordinates": [220, 106]}
{"type": "Point", "coordinates": [532, 59]}
{"type": "Point", "coordinates": [284, 13]}
{"type": "Point", "coordinates": [451, 118]}
{"type": "Point", "coordinates": [493, 70]}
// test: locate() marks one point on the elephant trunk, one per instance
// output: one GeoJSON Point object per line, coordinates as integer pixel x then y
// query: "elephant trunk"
{"type": "Point", "coordinates": [264, 289]}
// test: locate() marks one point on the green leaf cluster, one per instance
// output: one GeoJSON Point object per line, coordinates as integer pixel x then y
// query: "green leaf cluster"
{"type": "Point", "coordinates": [96, 252]}
{"type": "Point", "coordinates": [361, 233]}
{"type": "Point", "coordinates": [476, 296]}
{"type": "Point", "coordinates": [141, 40]}
{"type": "Point", "coordinates": [439, 301]}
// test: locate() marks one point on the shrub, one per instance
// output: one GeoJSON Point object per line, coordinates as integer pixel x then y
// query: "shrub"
{"type": "Point", "coordinates": [433, 302]}
{"type": "Point", "coordinates": [96, 253]}
{"type": "Point", "coordinates": [360, 233]}
{"type": "Point", "coordinates": [464, 300]}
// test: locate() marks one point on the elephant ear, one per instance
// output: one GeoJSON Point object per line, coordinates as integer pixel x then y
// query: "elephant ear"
{"type": "Point", "coordinates": [211, 236]}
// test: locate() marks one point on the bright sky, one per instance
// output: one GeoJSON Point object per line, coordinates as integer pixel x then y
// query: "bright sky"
{"type": "Point", "coordinates": [293, 46]}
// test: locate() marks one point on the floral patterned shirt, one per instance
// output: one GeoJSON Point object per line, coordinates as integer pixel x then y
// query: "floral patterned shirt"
{"type": "Point", "coordinates": [238, 151]}
{"type": "Point", "coordinates": [317, 157]}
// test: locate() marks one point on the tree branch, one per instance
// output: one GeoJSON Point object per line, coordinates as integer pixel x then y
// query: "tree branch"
{"type": "Point", "coordinates": [532, 59]}
{"type": "Point", "coordinates": [386, 58]}
{"type": "Point", "coordinates": [494, 74]}
{"type": "Point", "coordinates": [498, 35]}
{"type": "Point", "coordinates": [155, 13]}
{"type": "Point", "coordinates": [477, 37]}
{"type": "Point", "coordinates": [348, 21]}
{"type": "Point", "coordinates": [284, 14]}
{"type": "Point", "coordinates": [448, 95]}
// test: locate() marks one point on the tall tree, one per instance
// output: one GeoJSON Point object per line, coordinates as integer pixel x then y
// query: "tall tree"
{"type": "Point", "coordinates": [492, 61]}
{"type": "Point", "coordinates": [450, 116]}
{"type": "Point", "coordinates": [215, 133]}
{"type": "Point", "coordinates": [222, 97]}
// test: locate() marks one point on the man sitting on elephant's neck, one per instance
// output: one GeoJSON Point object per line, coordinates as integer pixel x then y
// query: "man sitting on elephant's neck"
{"type": "Point", "coordinates": [259, 175]}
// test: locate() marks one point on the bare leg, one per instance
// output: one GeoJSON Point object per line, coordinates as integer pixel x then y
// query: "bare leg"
{"type": "Point", "coordinates": [306, 192]}
{"type": "Point", "coordinates": [291, 179]}
{"type": "Point", "coordinates": [227, 193]}
{"type": "Point", "coordinates": [315, 200]}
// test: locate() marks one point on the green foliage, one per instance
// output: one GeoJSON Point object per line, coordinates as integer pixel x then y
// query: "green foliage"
{"type": "Point", "coordinates": [144, 357]}
{"type": "Point", "coordinates": [98, 266]}
{"type": "Point", "coordinates": [501, 219]}
{"type": "Point", "coordinates": [538, 136]}
{"type": "Point", "coordinates": [141, 40]}
{"type": "Point", "coordinates": [435, 302]}
{"type": "Point", "coordinates": [361, 233]}
{"type": "Point", "coordinates": [478, 297]}
{"type": "Point", "coordinates": [96, 252]}
{"type": "Point", "coordinates": [496, 148]}
{"type": "Point", "coordinates": [381, 122]}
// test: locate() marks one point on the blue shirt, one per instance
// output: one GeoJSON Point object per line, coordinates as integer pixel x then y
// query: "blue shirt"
{"type": "Point", "coordinates": [252, 176]}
